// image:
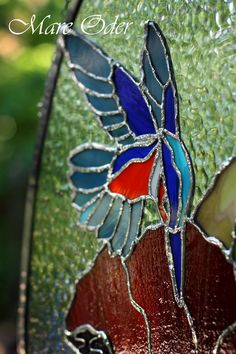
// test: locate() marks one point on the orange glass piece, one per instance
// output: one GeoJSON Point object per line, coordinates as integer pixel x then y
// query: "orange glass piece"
{"type": "Point", "coordinates": [133, 181]}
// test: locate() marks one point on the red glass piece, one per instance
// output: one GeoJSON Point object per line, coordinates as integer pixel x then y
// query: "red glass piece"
{"type": "Point", "coordinates": [133, 181]}
{"type": "Point", "coordinates": [102, 298]}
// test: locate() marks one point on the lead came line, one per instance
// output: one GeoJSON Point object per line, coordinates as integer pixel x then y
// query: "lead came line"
{"type": "Point", "coordinates": [138, 308]}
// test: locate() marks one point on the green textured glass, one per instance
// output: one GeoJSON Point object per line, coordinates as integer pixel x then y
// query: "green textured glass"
{"type": "Point", "coordinates": [201, 35]}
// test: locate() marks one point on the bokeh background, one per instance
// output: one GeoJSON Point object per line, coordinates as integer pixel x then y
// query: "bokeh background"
{"type": "Point", "coordinates": [24, 63]}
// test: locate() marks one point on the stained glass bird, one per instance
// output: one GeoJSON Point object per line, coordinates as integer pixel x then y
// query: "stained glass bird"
{"type": "Point", "coordinates": [149, 159]}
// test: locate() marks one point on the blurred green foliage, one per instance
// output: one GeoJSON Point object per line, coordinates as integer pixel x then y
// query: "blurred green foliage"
{"type": "Point", "coordinates": [24, 62]}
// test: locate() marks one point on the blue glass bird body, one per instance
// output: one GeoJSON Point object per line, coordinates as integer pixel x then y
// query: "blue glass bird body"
{"type": "Point", "coordinates": [149, 159]}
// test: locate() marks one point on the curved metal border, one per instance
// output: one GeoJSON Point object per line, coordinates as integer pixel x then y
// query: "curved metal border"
{"type": "Point", "coordinates": [31, 195]}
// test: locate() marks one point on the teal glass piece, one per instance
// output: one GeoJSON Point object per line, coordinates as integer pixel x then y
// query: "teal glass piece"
{"type": "Point", "coordinates": [88, 180]}
{"type": "Point", "coordinates": [102, 104]}
{"type": "Point", "coordinates": [92, 157]}
{"type": "Point", "coordinates": [111, 221]}
{"type": "Point", "coordinates": [127, 141]}
{"type": "Point", "coordinates": [156, 111]}
{"type": "Point", "coordinates": [81, 199]}
{"type": "Point", "coordinates": [113, 119]}
{"type": "Point", "coordinates": [119, 237]}
{"type": "Point", "coordinates": [136, 214]}
{"type": "Point", "coordinates": [90, 60]}
{"type": "Point", "coordinates": [155, 45]}
{"type": "Point", "coordinates": [87, 212]}
{"type": "Point", "coordinates": [101, 211]}
{"type": "Point", "coordinates": [119, 132]}
{"type": "Point", "coordinates": [93, 84]}
{"type": "Point", "coordinates": [184, 167]}
{"type": "Point", "coordinates": [154, 87]}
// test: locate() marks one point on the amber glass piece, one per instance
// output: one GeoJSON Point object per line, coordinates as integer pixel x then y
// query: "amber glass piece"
{"type": "Point", "coordinates": [216, 213]}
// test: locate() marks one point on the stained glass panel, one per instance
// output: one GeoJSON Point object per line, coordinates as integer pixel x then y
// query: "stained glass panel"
{"type": "Point", "coordinates": [153, 289]}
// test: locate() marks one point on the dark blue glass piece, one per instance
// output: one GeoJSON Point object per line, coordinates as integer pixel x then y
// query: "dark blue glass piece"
{"type": "Point", "coordinates": [136, 214]}
{"type": "Point", "coordinates": [89, 180]}
{"type": "Point", "coordinates": [157, 53]}
{"type": "Point", "coordinates": [175, 243]}
{"type": "Point", "coordinates": [83, 53]}
{"type": "Point", "coordinates": [93, 84]}
{"type": "Point", "coordinates": [150, 81]}
{"type": "Point", "coordinates": [132, 101]}
{"type": "Point", "coordinates": [169, 109]}
{"type": "Point", "coordinates": [118, 239]}
{"type": "Point", "coordinates": [113, 119]}
{"type": "Point", "coordinates": [93, 157]}
{"type": "Point", "coordinates": [119, 132]}
{"type": "Point", "coordinates": [81, 199]}
{"type": "Point", "coordinates": [138, 152]}
{"type": "Point", "coordinates": [111, 221]}
{"type": "Point", "coordinates": [172, 184]}
{"type": "Point", "coordinates": [102, 104]}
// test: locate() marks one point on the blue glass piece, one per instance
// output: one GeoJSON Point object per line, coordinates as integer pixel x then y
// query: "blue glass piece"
{"type": "Point", "coordinates": [119, 132]}
{"type": "Point", "coordinates": [101, 210]}
{"type": "Point", "coordinates": [81, 199]}
{"type": "Point", "coordinates": [92, 83]}
{"type": "Point", "coordinates": [118, 239]}
{"type": "Point", "coordinates": [157, 53]}
{"type": "Point", "coordinates": [138, 152]}
{"type": "Point", "coordinates": [169, 109]}
{"type": "Point", "coordinates": [102, 104]}
{"type": "Point", "coordinates": [83, 53]}
{"type": "Point", "coordinates": [109, 224]}
{"type": "Point", "coordinates": [135, 218]}
{"type": "Point", "coordinates": [87, 212]}
{"type": "Point", "coordinates": [133, 103]}
{"type": "Point", "coordinates": [150, 81]}
{"type": "Point", "coordinates": [110, 120]}
{"type": "Point", "coordinates": [88, 180]}
{"type": "Point", "coordinates": [93, 157]}
{"type": "Point", "coordinates": [172, 184]}
{"type": "Point", "coordinates": [183, 166]}
{"type": "Point", "coordinates": [156, 111]}
{"type": "Point", "coordinates": [175, 243]}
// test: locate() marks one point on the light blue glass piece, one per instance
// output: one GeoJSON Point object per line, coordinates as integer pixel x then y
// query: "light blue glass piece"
{"type": "Point", "coordinates": [150, 81]}
{"type": "Point", "coordinates": [135, 218]}
{"type": "Point", "coordinates": [81, 199]}
{"type": "Point", "coordinates": [92, 158]}
{"type": "Point", "coordinates": [88, 180]}
{"type": "Point", "coordinates": [101, 210]}
{"type": "Point", "coordinates": [122, 229]}
{"type": "Point", "coordinates": [184, 168]}
{"type": "Point", "coordinates": [109, 225]}
{"type": "Point", "coordinates": [87, 212]}
{"type": "Point", "coordinates": [102, 104]}
{"type": "Point", "coordinates": [81, 52]}
{"type": "Point", "coordinates": [93, 84]}
{"type": "Point", "coordinates": [110, 120]}
{"type": "Point", "coordinates": [155, 45]}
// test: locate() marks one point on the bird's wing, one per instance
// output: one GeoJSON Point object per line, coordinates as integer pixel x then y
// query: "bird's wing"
{"type": "Point", "coordinates": [111, 92]}
{"type": "Point", "coordinates": [158, 79]}
{"type": "Point", "coordinates": [115, 218]}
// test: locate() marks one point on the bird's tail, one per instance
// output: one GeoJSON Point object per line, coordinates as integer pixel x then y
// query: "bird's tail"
{"type": "Point", "coordinates": [175, 255]}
